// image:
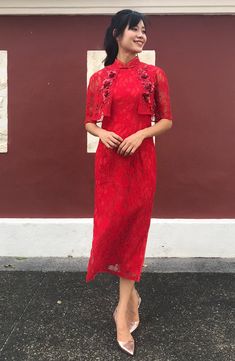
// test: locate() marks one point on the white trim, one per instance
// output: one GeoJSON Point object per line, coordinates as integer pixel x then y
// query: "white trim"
{"type": "Point", "coordinates": [39, 237]}
{"type": "Point", "coordinates": [30, 7]}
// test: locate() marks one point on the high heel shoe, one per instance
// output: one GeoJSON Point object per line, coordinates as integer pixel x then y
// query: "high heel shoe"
{"type": "Point", "coordinates": [126, 346]}
{"type": "Point", "coordinates": [134, 324]}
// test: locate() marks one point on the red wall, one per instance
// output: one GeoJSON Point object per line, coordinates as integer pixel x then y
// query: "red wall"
{"type": "Point", "coordinates": [47, 171]}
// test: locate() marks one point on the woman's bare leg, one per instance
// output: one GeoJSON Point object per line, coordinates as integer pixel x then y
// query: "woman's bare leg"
{"type": "Point", "coordinates": [133, 313]}
{"type": "Point", "coordinates": [125, 291]}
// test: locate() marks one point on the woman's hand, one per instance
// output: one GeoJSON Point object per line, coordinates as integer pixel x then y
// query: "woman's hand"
{"type": "Point", "coordinates": [130, 144]}
{"type": "Point", "coordinates": [110, 139]}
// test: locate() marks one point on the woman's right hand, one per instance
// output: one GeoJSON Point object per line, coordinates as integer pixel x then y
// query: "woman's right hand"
{"type": "Point", "coordinates": [110, 139]}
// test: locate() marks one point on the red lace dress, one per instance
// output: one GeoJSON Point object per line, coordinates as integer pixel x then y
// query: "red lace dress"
{"type": "Point", "coordinates": [124, 97]}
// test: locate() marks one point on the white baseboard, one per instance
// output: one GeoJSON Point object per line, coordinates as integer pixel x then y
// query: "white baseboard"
{"type": "Point", "coordinates": [61, 237]}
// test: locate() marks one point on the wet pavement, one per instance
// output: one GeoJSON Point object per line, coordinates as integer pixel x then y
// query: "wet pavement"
{"type": "Point", "coordinates": [55, 315]}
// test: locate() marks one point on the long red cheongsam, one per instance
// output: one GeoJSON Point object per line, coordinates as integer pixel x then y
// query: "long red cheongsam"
{"type": "Point", "coordinates": [125, 97]}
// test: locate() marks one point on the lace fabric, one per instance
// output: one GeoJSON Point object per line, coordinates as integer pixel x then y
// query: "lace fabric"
{"type": "Point", "coordinates": [124, 97]}
{"type": "Point", "coordinates": [154, 99]}
{"type": "Point", "coordinates": [162, 96]}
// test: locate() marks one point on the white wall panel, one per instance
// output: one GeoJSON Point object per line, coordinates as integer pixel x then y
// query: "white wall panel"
{"type": "Point", "coordinates": [3, 102]}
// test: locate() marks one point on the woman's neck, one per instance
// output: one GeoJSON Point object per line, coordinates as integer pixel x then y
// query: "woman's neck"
{"type": "Point", "coordinates": [125, 58]}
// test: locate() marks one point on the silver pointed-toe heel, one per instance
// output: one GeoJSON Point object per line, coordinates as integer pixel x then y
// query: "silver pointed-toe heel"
{"type": "Point", "coordinates": [134, 324]}
{"type": "Point", "coordinates": [126, 346]}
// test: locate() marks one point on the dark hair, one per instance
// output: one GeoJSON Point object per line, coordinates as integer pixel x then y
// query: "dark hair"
{"type": "Point", "coordinates": [119, 22]}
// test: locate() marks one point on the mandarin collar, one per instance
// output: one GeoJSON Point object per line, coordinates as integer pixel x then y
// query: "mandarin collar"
{"type": "Point", "coordinates": [130, 64]}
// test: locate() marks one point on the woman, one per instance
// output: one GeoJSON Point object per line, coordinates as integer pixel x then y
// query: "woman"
{"type": "Point", "coordinates": [124, 96]}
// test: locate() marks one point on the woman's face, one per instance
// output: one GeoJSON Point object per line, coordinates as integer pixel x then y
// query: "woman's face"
{"type": "Point", "coordinates": [133, 39]}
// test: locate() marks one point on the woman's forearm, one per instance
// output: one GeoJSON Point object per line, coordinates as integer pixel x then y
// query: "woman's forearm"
{"type": "Point", "coordinates": [93, 129]}
{"type": "Point", "coordinates": [154, 130]}
{"type": "Point", "coordinates": [160, 127]}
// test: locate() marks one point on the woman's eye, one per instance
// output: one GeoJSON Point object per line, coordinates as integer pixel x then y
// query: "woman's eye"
{"type": "Point", "coordinates": [144, 31]}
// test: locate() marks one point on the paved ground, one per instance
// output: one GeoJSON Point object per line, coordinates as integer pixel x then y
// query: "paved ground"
{"type": "Point", "coordinates": [55, 316]}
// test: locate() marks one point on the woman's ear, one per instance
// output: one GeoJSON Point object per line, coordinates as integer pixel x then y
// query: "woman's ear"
{"type": "Point", "coordinates": [115, 34]}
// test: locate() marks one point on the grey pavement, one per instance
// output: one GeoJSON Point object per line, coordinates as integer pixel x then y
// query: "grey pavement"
{"type": "Point", "coordinates": [48, 312]}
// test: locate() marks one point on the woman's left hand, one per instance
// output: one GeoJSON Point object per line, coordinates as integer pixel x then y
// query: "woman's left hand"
{"type": "Point", "coordinates": [129, 145]}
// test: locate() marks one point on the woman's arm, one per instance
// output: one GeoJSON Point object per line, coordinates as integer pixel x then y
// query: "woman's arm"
{"type": "Point", "coordinates": [160, 127]}
{"type": "Point", "coordinates": [93, 129]}
{"type": "Point", "coordinates": [110, 139]}
{"type": "Point", "coordinates": [163, 114]}
{"type": "Point", "coordinates": [131, 143]}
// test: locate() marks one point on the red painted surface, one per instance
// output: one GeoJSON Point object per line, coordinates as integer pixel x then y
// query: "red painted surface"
{"type": "Point", "coordinates": [47, 171]}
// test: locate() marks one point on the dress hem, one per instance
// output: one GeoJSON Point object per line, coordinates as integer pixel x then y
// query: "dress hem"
{"type": "Point", "coordinates": [119, 274]}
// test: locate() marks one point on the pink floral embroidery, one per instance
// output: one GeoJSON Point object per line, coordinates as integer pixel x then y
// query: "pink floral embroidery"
{"type": "Point", "coordinates": [112, 73]}
{"type": "Point", "coordinates": [149, 89]}
{"type": "Point", "coordinates": [144, 75]}
{"type": "Point", "coordinates": [107, 82]}
{"type": "Point", "coordinates": [147, 85]}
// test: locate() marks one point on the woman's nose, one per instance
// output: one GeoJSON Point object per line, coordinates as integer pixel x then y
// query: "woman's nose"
{"type": "Point", "coordinates": [140, 34]}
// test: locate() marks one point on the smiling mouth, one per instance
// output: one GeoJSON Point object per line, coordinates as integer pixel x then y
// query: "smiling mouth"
{"type": "Point", "coordinates": [139, 42]}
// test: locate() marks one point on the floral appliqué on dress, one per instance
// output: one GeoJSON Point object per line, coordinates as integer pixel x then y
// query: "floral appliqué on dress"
{"type": "Point", "coordinates": [107, 83]}
{"type": "Point", "coordinates": [147, 101]}
{"type": "Point", "coordinates": [148, 87]}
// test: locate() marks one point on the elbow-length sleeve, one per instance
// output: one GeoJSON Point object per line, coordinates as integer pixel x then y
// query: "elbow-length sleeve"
{"type": "Point", "coordinates": [162, 96]}
{"type": "Point", "coordinates": [92, 103]}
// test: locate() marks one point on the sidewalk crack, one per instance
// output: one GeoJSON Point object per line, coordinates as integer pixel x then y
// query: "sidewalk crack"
{"type": "Point", "coordinates": [16, 322]}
